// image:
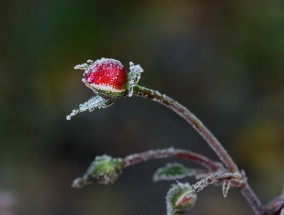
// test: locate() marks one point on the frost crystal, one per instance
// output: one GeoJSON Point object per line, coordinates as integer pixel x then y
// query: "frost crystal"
{"type": "Point", "coordinates": [226, 187]}
{"type": "Point", "coordinates": [134, 76]}
{"type": "Point", "coordinates": [83, 66]}
{"type": "Point", "coordinates": [95, 102]}
{"type": "Point", "coordinates": [217, 178]}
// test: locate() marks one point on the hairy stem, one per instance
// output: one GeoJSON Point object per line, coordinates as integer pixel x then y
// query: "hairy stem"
{"type": "Point", "coordinates": [212, 141]}
{"type": "Point", "coordinates": [252, 199]}
{"type": "Point", "coordinates": [215, 178]}
{"type": "Point", "coordinates": [171, 152]}
{"type": "Point", "coordinates": [192, 120]}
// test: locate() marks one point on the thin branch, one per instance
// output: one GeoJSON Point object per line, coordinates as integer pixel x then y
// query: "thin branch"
{"type": "Point", "coordinates": [251, 198]}
{"type": "Point", "coordinates": [192, 120]}
{"type": "Point", "coordinates": [171, 152]}
{"type": "Point", "coordinates": [215, 178]}
{"type": "Point", "coordinates": [212, 141]}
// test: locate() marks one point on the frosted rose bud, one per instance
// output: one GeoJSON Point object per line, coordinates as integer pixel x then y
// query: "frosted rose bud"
{"type": "Point", "coordinates": [107, 77]}
{"type": "Point", "coordinates": [180, 199]}
{"type": "Point", "coordinates": [109, 80]}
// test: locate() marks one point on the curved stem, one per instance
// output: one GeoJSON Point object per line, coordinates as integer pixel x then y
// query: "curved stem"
{"type": "Point", "coordinates": [251, 198]}
{"type": "Point", "coordinates": [171, 152]}
{"type": "Point", "coordinates": [215, 178]}
{"type": "Point", "coordinates": [212, 141]}
{"type": "Point", "coordinates": [192, 120]}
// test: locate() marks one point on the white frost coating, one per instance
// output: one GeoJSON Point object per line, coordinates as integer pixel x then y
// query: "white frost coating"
{"type": "Point", "coordinates": [83, 66]}
{"type": "Point", "coordinates": [91, 64]}
{"type": "Point", "coordinates": [95, 102]}
{"type": "Point", "coordinates": [168, 173]}
{"type": "Point", "coordinates": [175, 195]}
{"type": "Point", "coordinates": [282, 212]}
{"type": "Point", "coordinates": [226, 187]}
{"type": "Point", "coordinates": [216, 178]}
{"type": "Point", "coordinates": [134, 76]}
{"type": "Point", "coordinates": [103, 87]}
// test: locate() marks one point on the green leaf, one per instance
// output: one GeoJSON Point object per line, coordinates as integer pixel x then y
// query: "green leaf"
{"type": "Point", "coordinates": [171, 171]}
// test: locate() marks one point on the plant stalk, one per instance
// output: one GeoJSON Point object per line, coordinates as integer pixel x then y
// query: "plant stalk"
{"type": "Point", "coordinates": [171, 152]}
{"type": "Point", "coordinates": [212, 141]}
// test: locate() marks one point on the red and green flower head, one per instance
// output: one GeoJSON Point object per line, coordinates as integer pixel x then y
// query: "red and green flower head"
{"type": "Point", "coordinates": [109, 80]}
{"type": "Point", "coordinates": [107, 77]}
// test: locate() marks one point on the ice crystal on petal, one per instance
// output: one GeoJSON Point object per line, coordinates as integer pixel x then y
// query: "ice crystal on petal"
{"type": "Point", "coordinates": [95, 102]}
{"type": "Point", "coordinates": [134, 76]}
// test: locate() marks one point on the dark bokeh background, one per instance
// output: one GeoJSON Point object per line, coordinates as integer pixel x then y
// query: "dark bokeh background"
{"type": "Point", "coordinates": [222, 59]}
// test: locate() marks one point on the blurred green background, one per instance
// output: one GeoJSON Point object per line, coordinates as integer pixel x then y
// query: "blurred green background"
{"type": "Point", "coordinates": [221, 59]}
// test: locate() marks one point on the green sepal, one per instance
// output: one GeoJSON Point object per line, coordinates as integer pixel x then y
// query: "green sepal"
{"type": "Point", "coordinates": [103, 170]}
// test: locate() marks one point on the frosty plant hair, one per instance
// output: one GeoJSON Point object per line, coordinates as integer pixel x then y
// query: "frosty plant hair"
{"type": "Point", "coordinates": [110, 81]}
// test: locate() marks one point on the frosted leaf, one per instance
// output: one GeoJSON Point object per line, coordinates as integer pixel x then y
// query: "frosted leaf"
{"type": "Point", "coordinates": [83, 66]}
{"type": "Point", "coordinates": [95, 102]}
{"type": "Point", "coordinates": [173, 171]}
{"type": "Point", "coordinates": [180, 199]}
{"type": "Point", "coordinates": [134, 76]}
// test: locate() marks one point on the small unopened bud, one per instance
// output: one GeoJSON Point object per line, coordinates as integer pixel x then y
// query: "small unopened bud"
{"type": "Point", "coordinates": [106, 77]}
{"type": "Point", "coordinates": [180, 199]}
{"type": "Point", "coordinates": [109, 80]}
{"type": "Point", "coordinates": [103, 170]}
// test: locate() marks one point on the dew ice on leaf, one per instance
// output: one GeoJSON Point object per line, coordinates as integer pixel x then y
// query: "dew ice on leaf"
{"type": "Point", "coordinates": [95, 102]}
{"type": "Point", "coordinates": [171, 171]}
{"type": "Point", "coordinates": [174, 171]}
{"type": "Point", "coordinates": [134, 76]}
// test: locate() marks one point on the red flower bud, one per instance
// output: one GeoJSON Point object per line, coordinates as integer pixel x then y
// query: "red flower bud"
{"type": "Point", "coordinates": [180, 199]}
{"type": "Point", "coordinates": [107, 77]}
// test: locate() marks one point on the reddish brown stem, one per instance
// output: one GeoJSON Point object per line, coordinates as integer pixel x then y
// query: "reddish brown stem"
{"type": "Point", "coordinates": [171, 152]}
{"type": "Point", "coordinates": [212, 141]}
{"type": "Point", "coordinates": [192, 120]}
{"type": "Point", "coordinates": [215, 178]}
